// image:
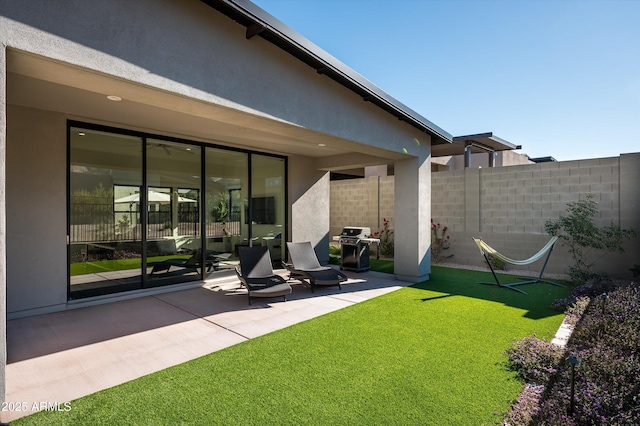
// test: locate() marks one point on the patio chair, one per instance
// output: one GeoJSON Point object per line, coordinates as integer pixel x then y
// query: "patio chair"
{"type": "Point", "coordinates": [256, 274]}
{"type": "Point", "coordinates": [305, 266]}
{"type": "Point", "coordinates": [487, 252]}
{"type": "Point", "coordinates": [191, 263]}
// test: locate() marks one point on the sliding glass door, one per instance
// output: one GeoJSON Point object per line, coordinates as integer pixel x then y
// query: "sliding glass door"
{"type": "Point", "coordinates": [174, 242]}
{"type": "Point", "coordinates": [227, 189]}
{"type": "Point", "coordinates": [105, 180]}
{"type": "Point", "coordinates": [147, 212]}
{"type": "Point", "coordinates": [267, 206]}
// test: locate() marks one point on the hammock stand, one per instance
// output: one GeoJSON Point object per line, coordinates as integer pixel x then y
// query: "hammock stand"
{"type": "Point", "coordinates": [486, 250]}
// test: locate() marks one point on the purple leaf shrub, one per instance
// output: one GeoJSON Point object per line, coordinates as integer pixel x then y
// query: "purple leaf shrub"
{"type": "Point", "coordinates": [606, 340]}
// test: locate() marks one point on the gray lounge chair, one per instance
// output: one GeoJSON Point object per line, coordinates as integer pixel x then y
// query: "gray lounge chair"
{"type": "Point", "coordinates": [305, 266]}
{"type": "Point", "coordinates": [256, 274]}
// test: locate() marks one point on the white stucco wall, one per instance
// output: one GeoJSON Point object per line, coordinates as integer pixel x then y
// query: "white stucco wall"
{"type": "Point", "coordinates": [3, 227]}
{"type": "Point", "coordinates": [36, 217]}
{"type": "Point", "coordinates": [412, 203]}
{"type": "Point", "coordinates": [187, 49]}
{"type": "Point", "coordinates": [310, 205]}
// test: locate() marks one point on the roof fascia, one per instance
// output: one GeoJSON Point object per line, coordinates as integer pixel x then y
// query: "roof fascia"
{"type": "Point", "coordinates": [259, 23]}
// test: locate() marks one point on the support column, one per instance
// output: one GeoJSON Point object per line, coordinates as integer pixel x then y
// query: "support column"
{"type": "Point", "coordinates": [309, 204]}
{"type": "Point", "coordinates": [412, 221]}
{"type": "Point", "coordinates": [467, 156]}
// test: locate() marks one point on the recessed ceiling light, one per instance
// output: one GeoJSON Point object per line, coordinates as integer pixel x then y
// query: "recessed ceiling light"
{"type": "Point", "coordinates": [114, 98]}
{"type": "Point", "coordinates": [81, 133]}
{"type": "Point", "coordinates": [322, 144]}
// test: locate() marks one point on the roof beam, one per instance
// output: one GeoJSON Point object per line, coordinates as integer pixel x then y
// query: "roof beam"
{"type": "Point", "coordinates": [254, 29]}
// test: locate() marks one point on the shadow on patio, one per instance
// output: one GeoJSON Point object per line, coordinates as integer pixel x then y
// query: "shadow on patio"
{"type": "Point", "coordinates": [62, 356]}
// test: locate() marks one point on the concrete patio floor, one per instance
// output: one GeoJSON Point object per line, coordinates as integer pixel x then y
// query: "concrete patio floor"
{"type": "Point", "coordinates": [58, 357]}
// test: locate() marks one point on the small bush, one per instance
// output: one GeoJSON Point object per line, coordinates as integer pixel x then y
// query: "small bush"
{"type": "Point", "coordinates": [497, 263]}
{"type": "Point", "coordinates": [535, 360]}
{"type": "Point", "coordinates": [525, 408]}
{"type": "Point", "coordinates": [386, 239]}
{"type": "Point", "coordinates": [576, 310]}
{"type": "Point", "coordinates": [585, 241]}
{"type": "Point", "coordinates": [440, 242]}
{"type": "Point", "coordinates": [334, 255]}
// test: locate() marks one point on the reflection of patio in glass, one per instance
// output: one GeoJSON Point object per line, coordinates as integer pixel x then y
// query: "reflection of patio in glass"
{"type": "Point", "coordinates": [139, 199]}
{"type": "Point", "coordinates": [125, 270]}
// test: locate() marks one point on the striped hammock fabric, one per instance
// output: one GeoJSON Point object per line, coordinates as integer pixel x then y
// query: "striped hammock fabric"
{"type": "Point", "coordinates": [486, 248]}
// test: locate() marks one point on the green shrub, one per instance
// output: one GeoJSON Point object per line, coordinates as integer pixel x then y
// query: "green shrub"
{"type": "Point", "coordinates": [586, 241]}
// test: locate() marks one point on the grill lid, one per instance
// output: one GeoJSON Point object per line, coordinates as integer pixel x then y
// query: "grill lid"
{"type": "Point", "coordinates": [355, 232]}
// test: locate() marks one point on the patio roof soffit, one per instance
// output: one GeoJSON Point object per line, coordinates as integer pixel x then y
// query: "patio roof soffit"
{"type": "Point", "coordinates": [477, 143]}
{"type": "Point", "coordinates": [352, 160]}
{"type": "Point", "coordinates": [259, 23]}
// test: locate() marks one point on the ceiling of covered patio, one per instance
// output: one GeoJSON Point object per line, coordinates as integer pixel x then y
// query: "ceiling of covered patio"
{"type": "Point", "coordinates": [81, 94]}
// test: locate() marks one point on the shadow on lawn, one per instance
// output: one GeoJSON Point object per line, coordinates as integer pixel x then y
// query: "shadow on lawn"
{"type": "Point", "coordinates": [463, 282]}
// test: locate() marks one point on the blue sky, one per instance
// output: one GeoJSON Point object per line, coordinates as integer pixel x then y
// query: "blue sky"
{"type": "Point", "coordinates": [559, 77]}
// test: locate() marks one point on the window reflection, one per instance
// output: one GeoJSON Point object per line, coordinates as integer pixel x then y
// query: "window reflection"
{"type": "Point", "coordinates": [120, 223]}
{"type": "Point", "coordinates": [268, 203]}
{"type": "Point", "coordinates": [104, 230]}
{"type": "Point", "coordinates": [174, 245]}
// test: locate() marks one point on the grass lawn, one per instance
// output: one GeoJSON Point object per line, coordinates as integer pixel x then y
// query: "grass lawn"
{"type": "Point", "coordinates": [95, 267]}
{"type": "Point", "coordinates": [429, 354]}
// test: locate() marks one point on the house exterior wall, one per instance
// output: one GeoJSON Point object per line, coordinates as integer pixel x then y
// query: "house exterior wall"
{"type": "Point", "coordinates": [502, 158]}
{"type": "Point", "coordinates": [36, 219]}
{"type": "Point", "coordinates": [3, 225]}
{"type": "Point", "coordinates": [412, 201]}
{"type": "Point", "coordinates": [508, 206]}
{"type": "Point", "coordinates": [187, 49]}
{"type": "Point", "coordinates": [309, 205]}
{"type": "Point", "coordinates": [183, 62]}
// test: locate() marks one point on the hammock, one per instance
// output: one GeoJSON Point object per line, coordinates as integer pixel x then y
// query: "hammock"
{"type": "Point", "coordinates": [487, 251]}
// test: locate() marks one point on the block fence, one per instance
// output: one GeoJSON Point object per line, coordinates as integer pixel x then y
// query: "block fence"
{"type": "Point", "coordinates": [508, 207]}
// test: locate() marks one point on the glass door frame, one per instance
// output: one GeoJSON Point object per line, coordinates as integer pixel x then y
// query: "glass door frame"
{"type": "Point", "coordinates": [144, 284]}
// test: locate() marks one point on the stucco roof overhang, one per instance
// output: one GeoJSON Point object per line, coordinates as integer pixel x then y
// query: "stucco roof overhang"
{"type": "Point", "coordinates": [482, 142]}
{"type": "Point", "coordinates": [259, 23]}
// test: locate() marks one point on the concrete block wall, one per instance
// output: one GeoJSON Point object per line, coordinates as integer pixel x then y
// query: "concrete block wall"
{"type": "Point", "coordinates": [508, 206]}
{"type": "Point", "coordinates": [362, 202]}
{"type": "Point", "coordinates": [448, 198]}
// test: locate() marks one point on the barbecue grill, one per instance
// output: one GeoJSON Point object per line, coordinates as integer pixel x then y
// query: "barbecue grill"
{"type": "Point", "coordinates": [354, 247]}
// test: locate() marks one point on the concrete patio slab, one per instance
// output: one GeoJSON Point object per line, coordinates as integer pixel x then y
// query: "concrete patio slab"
{"type": "Point", "coordinates": [58, 357]}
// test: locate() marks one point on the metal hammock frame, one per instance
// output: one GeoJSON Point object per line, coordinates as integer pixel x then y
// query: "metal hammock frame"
{"type": "Point", "coordinates": [487, 251]}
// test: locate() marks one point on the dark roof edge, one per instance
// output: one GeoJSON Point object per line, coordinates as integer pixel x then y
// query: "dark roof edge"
{"type": "Point", "coordinates": [259, 22]}
{"type": "Point", "coordinates": [487, 135]}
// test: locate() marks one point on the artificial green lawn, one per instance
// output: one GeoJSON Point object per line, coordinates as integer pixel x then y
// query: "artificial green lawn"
{"type": "Point", "coordinates": [430, 354]}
